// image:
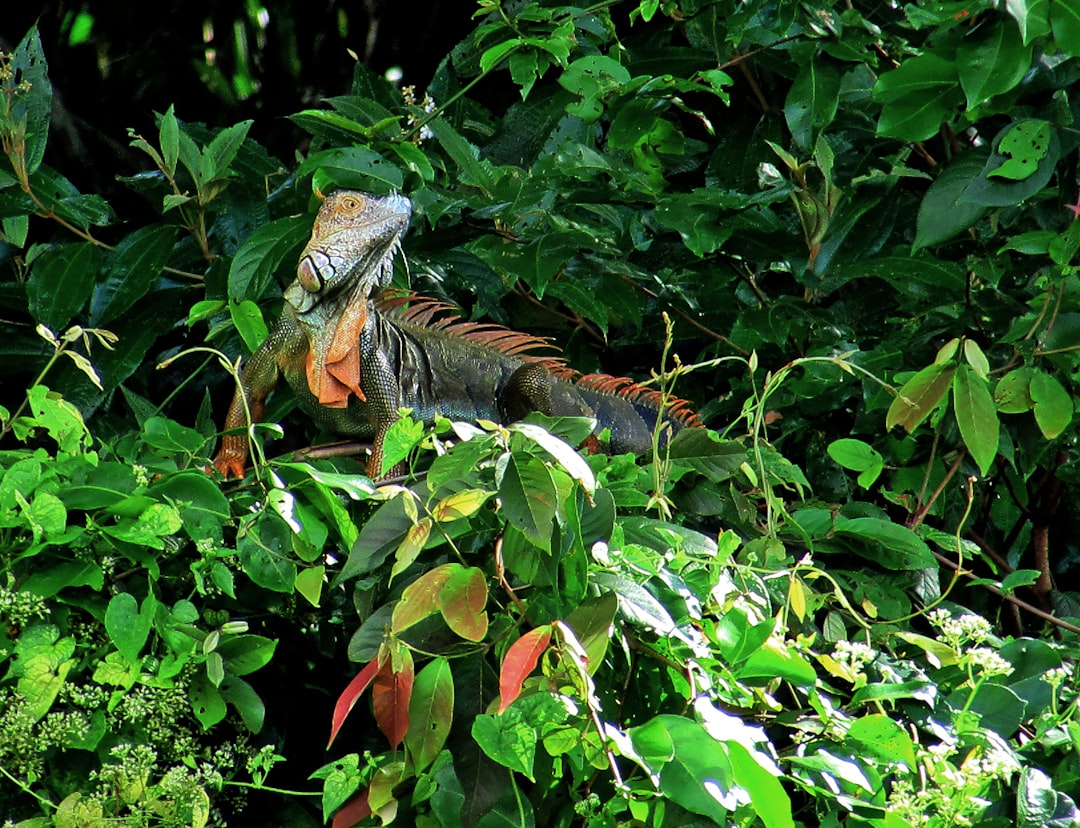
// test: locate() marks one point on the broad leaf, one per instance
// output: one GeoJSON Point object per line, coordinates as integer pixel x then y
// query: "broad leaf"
{"type": "Point", "coordinates": [520, 660]}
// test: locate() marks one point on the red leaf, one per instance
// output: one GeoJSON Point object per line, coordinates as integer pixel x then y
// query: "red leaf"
{"type": "Point", "coordinates": [390, 696]}
{"type": "Point", "coordinates": [347, 700]}
{"type": "Point", "coordinates": [520, 660]}
{"type": "Point", "coordinates": [462, 601]}
{"type": "Point", "coordinates": [352, 812]}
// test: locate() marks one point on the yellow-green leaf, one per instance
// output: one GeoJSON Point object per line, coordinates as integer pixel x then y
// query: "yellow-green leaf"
{"type": "Point", "coordinates": [976, 416]}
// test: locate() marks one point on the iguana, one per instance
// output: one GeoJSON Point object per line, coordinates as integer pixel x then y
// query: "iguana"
{"type": "Point", "coordinates": [354, 356]}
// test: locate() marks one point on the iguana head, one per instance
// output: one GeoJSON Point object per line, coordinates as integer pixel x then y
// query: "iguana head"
{"type": "Point", "coordinates": [349, 256]}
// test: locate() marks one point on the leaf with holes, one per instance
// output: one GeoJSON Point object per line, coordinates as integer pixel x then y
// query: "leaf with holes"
{"type": "Point", "coordinates": [431, 712]}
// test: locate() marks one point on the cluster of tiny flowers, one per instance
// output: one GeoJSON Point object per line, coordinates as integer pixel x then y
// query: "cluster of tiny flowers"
{"type": "Point", "coordinates": [989, 662]}
{"type": "Point", "coordinates": [19, 609]}
{"type": "Point", "coordinates": [60, 729]}
{"type": "Point", "coordinates": [21, 751]}
{"type": "Point", "coordinates": [1057, 676]}
{"type": "Point", "coordinates": [87, 696]}
{"type": "Point", "coordinates": [956, 796]}
{"type": "Point", "coordinates": [959, 630]}
{"type": "Point", "coordinates": [142, 474]}
{"type": "Point", "coordinates": [7, 74]}
{"type": "Point", "coordinates": [853, 654]}
{"type": "Point", "coordinates": [408, 95]}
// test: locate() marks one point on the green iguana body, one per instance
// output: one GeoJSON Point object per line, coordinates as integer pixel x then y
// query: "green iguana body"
{"type": "Point", "coordinates": [354, 358]}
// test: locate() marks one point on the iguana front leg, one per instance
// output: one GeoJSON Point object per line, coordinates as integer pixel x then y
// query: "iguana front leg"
{"type": "Point", "coordinates": [257, 379]}
{"type": "Point", "coordinates": [382, 387]}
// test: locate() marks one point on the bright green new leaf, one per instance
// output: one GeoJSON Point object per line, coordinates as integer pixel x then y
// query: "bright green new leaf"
{"type": "Point", "coordinates": [309, 583]}
{"type": "Point", "coordinates": [975, 357]}
{"type": "Point", "coordinates": [976, 416]}
{"type": "Point", "coordinates": [1053, 404]}
{"type": "Point", "coordinates": [1026, 145]}
{"type": "Point", "coordinates": [919, 396]}
{"type": "Point", "coordinates": [507, 739]}
{"type": "Point", "coordinates": [880, 736]}
{"type": "Point", "coordinates": [431, 712]}
{"type": "Point", "coordinates": [1012, 393]}
{"type": "Point", "coordinates": [127, 625]}
{"type": "Point", "coordinates": [767, 796]}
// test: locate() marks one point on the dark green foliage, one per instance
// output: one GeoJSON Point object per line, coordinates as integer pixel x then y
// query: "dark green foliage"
{"type": "Point", "coordinates": [854, 226]}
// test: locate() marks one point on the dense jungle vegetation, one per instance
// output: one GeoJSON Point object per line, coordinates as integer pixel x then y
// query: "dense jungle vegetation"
{"type": "Point", "coordinates": [846, 232]}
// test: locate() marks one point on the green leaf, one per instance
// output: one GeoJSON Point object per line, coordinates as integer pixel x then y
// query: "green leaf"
{"type": "Point", "coordinates": [169, 138]}
{"type": "Point", "coordinates": [858, 456]}
{"type": "Point", "coordinates": [1026, 144]}
{"type": "Point", "coordinates": [262, 254]}
{"type": "Point", "coordinates": [206, 701]}
{"type": "Point", "coordinates": [1011, 394]}
{"type": "Point", "coordinates": [1053, 404]}
{"type": "Point", "coordinates": [1032, 16]}
{"type": "Point", "coordinates": [917, 97]}
{"type": "Point", "coordinates": [993, 62]}
{"type": "Point", "coordinates": [812, 100]}
{"type": "Point", "coordinates": [593, 77]}
{"type": "Point", "coordinates": [309, 583]}
{"type": "Point", "coordinates": [127, 625]}
{"type": "Point", "coordinates": [247, 702]}
{"type": "Point", "coordinates": [245, 654]}
{"type": "Point", "coordinates": [772, 660]}
{"type": "Point", "coordinates": [33, 105]}
{"type": "Point", "coordinates": [60, 283]}
{"type": "Point", "coordinates": [131, 271]}
{"type": "Point", "coordinates": [507, 739]}
{"type": "Point", "coordinates": [1065, 22]}
{"type": "Point", "coordinates": [919, 396]}
{"type": "Point", "coordinates": [223, 148]}
{"type": "Point", "coordinates": [265, 552]}
{"type": "Point", "coordinates": [976, 416]}
{"type": "Point", "coordinates": [168, 435]}
{"type": "Point", "coordinates": [944, 212]}
{"type": "Point", "coordinates": [381, 535]}
{"type": "Point", "coordinates": [1040, 805]}
{"type": "Point", "coordinates": [431, 712]}
{"type": "Point", "coordinates": [43, 660]}
{"type": "Point", "coordinates": [892, 545]}
{"type": "Point", "coordinates": [357, 168]}
{"type": "Point", "coordinates": [879, 736]}
{"type": "Point", "coordinates": [462, 602]}
{"type": "Point", "coordinates": [767, 796]}
{"type": "Point", "coordinates": [528, 496]}
{"type": "Point", "coordinates": [472, 170]}
{"type": "Point", "coordinates": [687, 759]}
{"type": "Point", "coordinates": [248, 319]}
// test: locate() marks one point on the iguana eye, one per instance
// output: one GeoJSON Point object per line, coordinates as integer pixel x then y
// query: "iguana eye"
{"type": "Point", "coordinates": [350, 204]}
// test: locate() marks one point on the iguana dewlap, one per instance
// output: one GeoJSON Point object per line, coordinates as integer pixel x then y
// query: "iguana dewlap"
{"type": "Point", "coordinates": [354, 357]}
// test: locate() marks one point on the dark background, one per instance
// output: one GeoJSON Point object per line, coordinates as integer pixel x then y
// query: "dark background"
{"type": "Point", "coordinates": [114, 64]}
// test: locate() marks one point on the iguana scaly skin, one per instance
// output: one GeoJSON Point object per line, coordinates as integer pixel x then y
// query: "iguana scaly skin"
{"type": "Point", "coordinates": [355, 357]}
